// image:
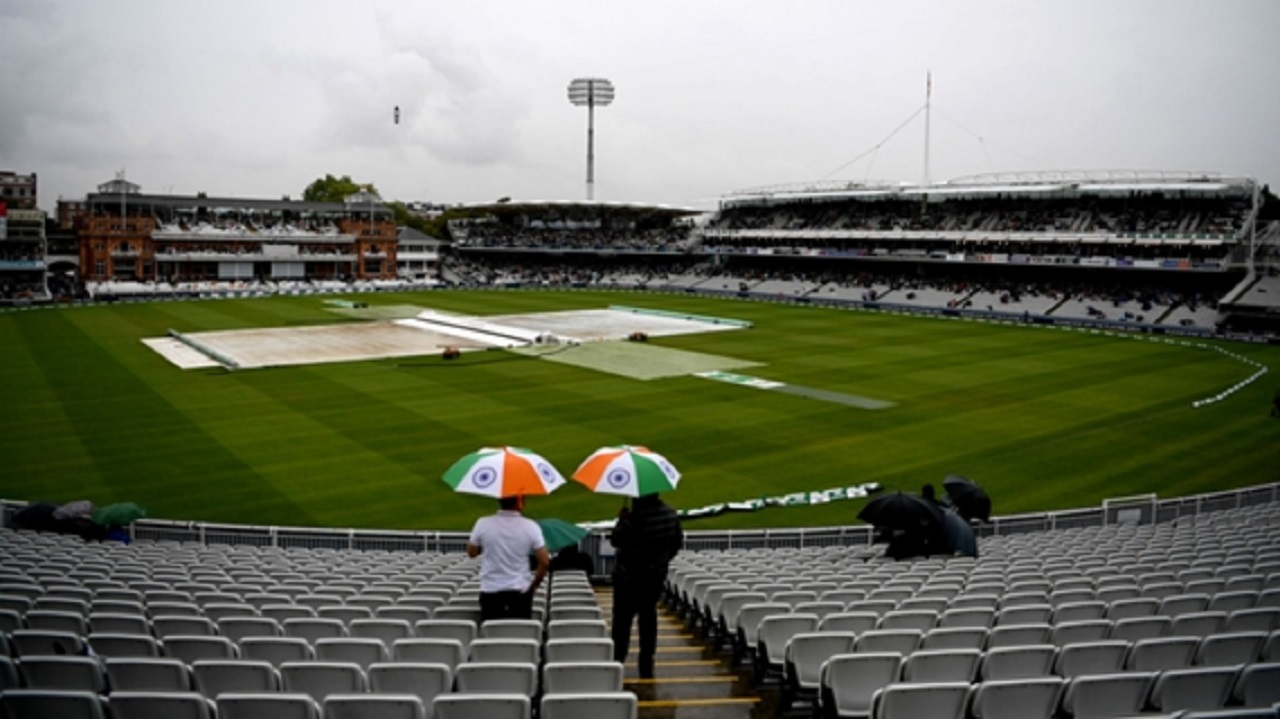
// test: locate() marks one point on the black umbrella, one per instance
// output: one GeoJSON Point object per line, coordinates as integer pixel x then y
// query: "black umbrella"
{"type": "Point", "coordinates": [900, 510]}
{"type": "Point", "coordinates": [969, 499]}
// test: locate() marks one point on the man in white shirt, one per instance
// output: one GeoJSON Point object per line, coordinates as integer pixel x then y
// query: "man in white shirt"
{"type": "Point", "coordinates": [504, 542]}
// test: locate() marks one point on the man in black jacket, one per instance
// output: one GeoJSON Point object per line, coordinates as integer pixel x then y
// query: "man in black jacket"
{"type": "Point", "coordinates": [645, 539]}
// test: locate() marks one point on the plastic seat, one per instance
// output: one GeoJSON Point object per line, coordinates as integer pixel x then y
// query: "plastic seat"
{"type": "Point", "coordinates": [1079, 612]}
{"type": "Point", "coordinates": [217, 676]}
{"type": "Point", "coordinates": [944, 665]}
{"type": "Point", "coordinates": [314, 629]}
{"type": "Point", "coordinates": [1024, 662]}
{"type": "Point", "coordinates": [54, 672]}
{"type": "Point", "coordinates": [166, 626]}
{"type": "Point", "coordinates": [385, 630]}
{"type": "Point", "coordinates": [373, 706]}
{"type": "Point", "coordinates": [581, 677]}
{"type": "Point", "coordinates": [362, 652]}
{"type": "Point", "coordinates": [803, 656]}
{"type": "Point", "coordinates": [1081, 632]}
{"type": "Point", "coordinates": [514, 629]}
{"type": "Point", "coordinates": [278, 705]}
{"type": "Point", "coordinates": [1258, 619]}
{"type": "Point", "coordinates": [1105, 657]}
{"type": "Point", "coordinates": [1019, 635]}
{"type": "Point", "coordinates": [1027, 698]}
{"type": "Point", "coordinates": [320, 679]}
{"type": "Point", "coordinates": [146, 674]}
{"type": "Point", "coordinates": [942, 700]}
{"type": "Point", "coordinates": [524, 651]}
{"type": "Point", "coordinates": [160, 705]}
{"type": "Point", "coordinates": [497, 678]}
{"type": "Point", "coordinates": [856, 622]}
{"type": "Point", "coordinates": [1162, 653]}
{"type": "Point", "coordinates": [1258, 685]}
{"type": "Point", "coordinates": [1191, 689]}
{"type": "Point", "coordinates": [900, 619]}
{"type": "Point", "coordinates": [191, 649]}
{"type": "Point", "coordinates": [603, 705]}
{"type": "Point", "coordinates": [1132, 608]}
{"type": "Point", "coordinates": [749, 618]}
{"type": "Point", "coordinates": [124, 645]}
{"type": "Point", "coordinates": [238, 628]}
{"type": "Point", "coordinates": [1179, 604]}
{"type": "Point", "coordinates": [1138, 628]}
{"type": "Point", "coordinates": [47, 703]}
{"type": "Point", "coordinates": [462, 630]}
{"type": "Point", "coordinates": [577, 629]}
{"type": "Point", "coordinates": [103, 623]}
{"type": "Point", "coordinates": [901, 641]}
{"type": "Point", "coordinates": [38, 642]}
{"type": "Point", "coordinates": [276, 650]}
{"type": "Point", "coordinates": [448, 652]}
{"type": "Point", "coordinates": [482, 706]}
{"type": "Point", "coordinates": [578, 650]}
{"type": "Point", "coordinates": [849, 681]}
{"type": "Point", "coordinates": [225, 610]}
{"type": "Point", "coordinates": [423, 680]}
{"type": "Point", "coordinates": [1230, 649]}
{"type": "Point", "coordinates": [1108, 695]}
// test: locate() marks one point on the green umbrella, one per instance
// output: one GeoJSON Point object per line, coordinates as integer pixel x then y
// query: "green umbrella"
{"type": "Point", "coordinates": [560, 534]}
{"type": "Point", "coordinates": [118, 514]}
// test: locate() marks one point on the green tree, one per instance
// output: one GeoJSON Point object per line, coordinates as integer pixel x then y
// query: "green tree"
{"type": "Point", "coordinates": [334, 189]}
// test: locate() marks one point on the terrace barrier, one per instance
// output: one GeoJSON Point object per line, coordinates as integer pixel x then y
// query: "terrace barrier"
{"type": "Point", "coordinates": [1140, 510]}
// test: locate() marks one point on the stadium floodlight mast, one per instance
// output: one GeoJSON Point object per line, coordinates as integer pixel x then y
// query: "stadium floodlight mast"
{"type": "Point", "coordinates": [591, 91]}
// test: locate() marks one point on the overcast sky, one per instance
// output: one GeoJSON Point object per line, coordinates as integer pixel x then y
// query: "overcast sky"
{"type": "Point", "coordinates": [257, 98]}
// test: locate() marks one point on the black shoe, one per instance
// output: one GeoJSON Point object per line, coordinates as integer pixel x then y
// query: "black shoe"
{"type": "Point", "coordinates": [646, 669]}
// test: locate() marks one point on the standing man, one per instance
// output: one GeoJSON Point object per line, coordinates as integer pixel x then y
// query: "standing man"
{"type": "Point", "coordinates": [504, 542]}
{"type": "Point", "coordinates": [645, 539]}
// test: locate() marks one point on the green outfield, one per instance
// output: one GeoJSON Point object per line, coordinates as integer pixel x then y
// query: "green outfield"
{"type": "Point", "coordinates": [1044, 418]}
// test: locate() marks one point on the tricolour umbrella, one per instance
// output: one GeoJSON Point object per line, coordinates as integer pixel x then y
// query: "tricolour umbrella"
{"type": "Point", "coordinates": [900, 510]}
{"type": "Point", "coordinates": [503, 472]}
{"type": "Point", "coordinates": [969, 499]}
{"type": "Point", "coordinates": [559, 534]}
{"type": "Point", "coordinates": [629, 470]}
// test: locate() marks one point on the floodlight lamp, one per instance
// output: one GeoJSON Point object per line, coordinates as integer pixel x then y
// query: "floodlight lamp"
{"type": "Point", "coordinates": [591, 91]}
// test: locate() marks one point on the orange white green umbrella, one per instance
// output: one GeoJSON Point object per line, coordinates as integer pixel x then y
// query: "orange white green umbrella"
{"type": "Point", "coordinates": [628, 470]}
{"type": "Point", "coordinates": [503, 472]}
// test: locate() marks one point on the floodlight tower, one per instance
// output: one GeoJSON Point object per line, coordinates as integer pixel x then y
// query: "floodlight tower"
{"type": "Point", "coordinates": [591, 91]}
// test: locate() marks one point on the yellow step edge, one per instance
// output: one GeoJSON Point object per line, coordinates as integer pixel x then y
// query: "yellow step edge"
{"type": "Point", "coordinates": [683, 663]}
{"type": "Point", "coordinates": [677, 703]}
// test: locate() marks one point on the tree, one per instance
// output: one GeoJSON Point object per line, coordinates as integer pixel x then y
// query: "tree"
{"type": "Point", "coordinates": [335, 189]}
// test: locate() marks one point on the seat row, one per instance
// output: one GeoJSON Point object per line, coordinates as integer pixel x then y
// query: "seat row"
{"type": "Point", "coordinates": [42, 704]}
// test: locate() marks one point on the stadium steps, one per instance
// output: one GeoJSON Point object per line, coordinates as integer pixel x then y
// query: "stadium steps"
{"type": "Point", "coordinates": [691, 680]}
{"type": "Point", "coordinates": [1065, 298]}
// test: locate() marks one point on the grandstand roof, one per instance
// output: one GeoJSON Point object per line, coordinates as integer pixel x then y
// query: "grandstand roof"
{"type": "Point", "coordinates": [581, 205]}
{"type": "Point", "coordinates": [230, 204]}
{"type": "Point", "coordinates": [1063, 183]}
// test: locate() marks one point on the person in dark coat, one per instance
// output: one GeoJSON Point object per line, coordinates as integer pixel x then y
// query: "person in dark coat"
{"type": "Point", "coordinates": [646, 538]}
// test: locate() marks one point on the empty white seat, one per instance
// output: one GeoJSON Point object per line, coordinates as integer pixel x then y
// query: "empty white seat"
{"type": "Point", "coordinates": [577, 629]}
{"type": "Point", "coordinates": [1258, 685]}
{"type": "Point", "coordinates": [942, 665]}
{"type": "Point", "coordinates": [373, 706]}
{"type": "Point", "coordinates": [462, 630]}
{"type": "Point", "coordinates": [1019, 635]}
{"type": "Point", "coordinates": [1027, 698]}
{"type": "Point", "coordinates": [1104, 657]}
{"type": "Point", "coordinates": [352, 649]}
{"type": "Point", "coordinates": [57, 672]}
{"type": "Point", "coordinates": [191, 649]}
{"type": "Point", "coordinates": [46, 703]}
{"type": "Point", "coordinates": [124, 645]}
{"type": "Point", "coordinates": [955, 638]}
{"type": "Point", "coordinates": [497, 678]}
{"type": "Point", "coordinates": [448, 652]}
{"type": "Point", "coordinates": [1230, 649]}
{"type": "Point", "coordinates": [160, 705]}
{"type": "Point", "coordinates": [1162, 653]}
{"type": "Point", "coordinates": [603, 705]}
{"type": "Point", "coordinates": [1132, 608]}
{"type": "Point", "coordinates": [1108, 695]}
{"type": "Point", "coordinates": [482, 706]}
{"type": "Point", "coordinates": [276, 650]}
{"type": "Point", "coordinates": [856, 622]}
{"type": "Point", "coordinates": [579, 650]}
{"type": "Point", "coordinates": [278, 705]}
{"type": "Point", "coordinates": [216, 676]}
{"type": "Point", "coordinates": [1022, 662]}
{"type": "Point", "coordinates": [385, 630]}
{"type": "Point", "coordinates": [581, 677]}
{"type": "Point", "coordinates": [850, 681]}
{"type": "Point", "coordinates": [424, 680]}
{"type": "Point", "coordinates": [148, 674]}
{"type": "Point", "coordinates": [513, 629]}
{"type": "Point", "coordinates": [1094, 630]}
{"type": "Point", "coordinates": [506, 650]}
{"type": "Point", "coordinates": [803, 657]}
{"type": "Point", "coordinates": [314, 628]}
{"type": "Point", "coordinates": [166, 626]}
{"type": "Point", "coordinates": [902, 641]}
{"type": "Point", "coordinates": [1079, 612]}
{"type": "Point", "coordinates": [1138, 628]}
{"type": "Point", "coordinates": [320, 679]}
{"type": "Point", "coordinates": [40, 642]}
{"type": "Point", "coordinates": [922, 620]}
{"type": "Point", "coordinates": [1190, 689]}
{"type": "Point", "coordinates": [942, 700]}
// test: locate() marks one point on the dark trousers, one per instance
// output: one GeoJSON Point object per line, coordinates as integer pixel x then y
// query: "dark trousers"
{"type": "Point", "coordinates": [506, 605]}
{"type": "Point", "coordinates": [631, 598]}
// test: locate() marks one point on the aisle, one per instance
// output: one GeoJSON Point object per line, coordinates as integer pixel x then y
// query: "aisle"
{"type": "Point", "coordinates": [691, 681]}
